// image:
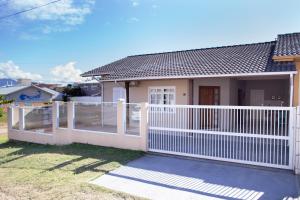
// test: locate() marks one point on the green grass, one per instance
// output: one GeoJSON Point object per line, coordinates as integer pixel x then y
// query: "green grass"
{"type": "Point", "coordinates": [3, 139]}
{"type": "Point", "coordinates": [32, 171]}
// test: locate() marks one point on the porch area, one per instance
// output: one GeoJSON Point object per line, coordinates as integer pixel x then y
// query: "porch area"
{"type": "Point", "coordinates": [267, 90]}
{"type": "Point", "coordinates": [242, 91]}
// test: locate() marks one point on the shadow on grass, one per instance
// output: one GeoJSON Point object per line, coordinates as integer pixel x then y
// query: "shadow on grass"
{"type": "Point", "coordinates": [81, 152]}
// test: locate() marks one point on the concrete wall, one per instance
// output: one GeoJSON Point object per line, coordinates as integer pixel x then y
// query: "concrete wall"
{"type": "Point", "coordinates": [139, 93]}
{"type": "Point", "coordinates": [61, 136]}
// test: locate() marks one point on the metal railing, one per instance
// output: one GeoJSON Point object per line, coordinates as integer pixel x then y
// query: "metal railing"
{"type": "Point", "coordinates": [252, 135]}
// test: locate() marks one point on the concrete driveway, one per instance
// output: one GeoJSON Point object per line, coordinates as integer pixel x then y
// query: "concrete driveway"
{"type": "Point", "coordinates": [161, 177]}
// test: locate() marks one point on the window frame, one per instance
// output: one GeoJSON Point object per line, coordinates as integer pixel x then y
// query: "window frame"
{"type": "Point", "coordinates": [170, 110]}
{"type": "Point", "coordinates": [162, 88]}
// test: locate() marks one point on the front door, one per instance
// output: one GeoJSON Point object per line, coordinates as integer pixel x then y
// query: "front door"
{"type": "Point", "coordinates": [209, 95]}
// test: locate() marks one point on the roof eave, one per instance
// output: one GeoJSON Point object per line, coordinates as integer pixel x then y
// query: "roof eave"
{"type": "Point", "coordinates": [286, 58]}
{"type": "Point", "coordinates": [205, 76]}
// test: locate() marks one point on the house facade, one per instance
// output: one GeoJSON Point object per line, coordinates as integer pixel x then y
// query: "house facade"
{"type": "Point", "coordinates": [260, 74]}
{"type": "Point", "coordinates": [29, 95]}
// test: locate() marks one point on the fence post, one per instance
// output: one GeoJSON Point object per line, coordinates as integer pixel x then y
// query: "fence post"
{"type": "Point", "coordinates": [144, 126]}
{"type": "Point", "coordinates": [292, 131]}
{"type": "Point", "coordinates": [55, 116]}
{"type": "Point", "coordinates": [121, 115]}
{"type": "Point", "coordinates": [70, 112]}
{"type": "Point", "coordinates": [297, 141]}
{"type": "Point", "coordinates": [10, 118]}
{"type": "Point", "coordinates": [21, 119]}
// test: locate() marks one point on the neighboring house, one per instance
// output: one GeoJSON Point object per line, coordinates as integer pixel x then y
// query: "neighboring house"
{"type": "Point", "coordinates": [248, 75]}
{"type": "Point", "coordinates": [47, 85]}
{"type": "Point", "coordinates": [29, 95]}
{"type": "Point", "coordinates": [91, 91]}
{"type": "Point", "coordinates": [90, 88]}
{"type": "Point", "coordinates": [7, 82]}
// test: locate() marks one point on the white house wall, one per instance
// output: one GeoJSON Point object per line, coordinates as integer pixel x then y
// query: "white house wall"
{"type": "Point", "coordinates": [30, 94]}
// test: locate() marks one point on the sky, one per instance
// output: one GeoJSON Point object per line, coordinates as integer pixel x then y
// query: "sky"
{"type": "Point", "coordinates": [58, 42]}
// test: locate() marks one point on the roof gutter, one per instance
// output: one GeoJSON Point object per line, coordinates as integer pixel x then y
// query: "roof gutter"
{"type": "Point", "coordinates": [206, 76]}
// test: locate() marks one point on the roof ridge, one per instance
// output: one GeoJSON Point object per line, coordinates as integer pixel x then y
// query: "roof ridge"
{"type": "Point", "coordinates": [225, 46]}
{"type": "Point", "coordinates": [289, 33]}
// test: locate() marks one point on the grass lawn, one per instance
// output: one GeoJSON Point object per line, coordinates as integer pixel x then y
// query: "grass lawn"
{"type": "Point", "coordinates": [32, 171]}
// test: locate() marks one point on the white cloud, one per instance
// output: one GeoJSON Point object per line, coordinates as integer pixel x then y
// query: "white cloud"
{"type": "Point", "coordinates": [133, 20]}
{"type": "Point", "coordinates": [55, 29]}
{"type": "Point", "coordinates": [66, 10]}
{"type": "Point", "coordinates": [135, 3]}
{"type": "Point", "coordinates": [11, 70]}
{"type": "Point", "coordinates": [66, 73]}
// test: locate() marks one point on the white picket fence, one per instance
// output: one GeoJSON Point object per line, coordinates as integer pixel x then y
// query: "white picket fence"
{"type": "Point", "coordinates": [251, 135]}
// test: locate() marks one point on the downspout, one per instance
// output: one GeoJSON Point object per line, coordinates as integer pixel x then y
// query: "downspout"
{"type": "Point", "coordinates": [127, 91]}
{"type": "Point", "coordinates": [127, 102]}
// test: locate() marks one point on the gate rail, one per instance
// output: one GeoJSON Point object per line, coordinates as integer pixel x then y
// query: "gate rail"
{"type": "Point", "coordinates": [250, 135]}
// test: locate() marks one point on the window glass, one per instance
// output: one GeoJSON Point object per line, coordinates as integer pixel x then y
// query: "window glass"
{"type": "Point", "coordinates": [162, 96]}
{"type": "Point", "coordinates": [119, 93]}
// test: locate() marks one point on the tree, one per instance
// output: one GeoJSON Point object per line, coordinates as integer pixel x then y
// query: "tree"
{"type": "Point", "coordinates": [72, 91]}
{"type": "Point", "coordinates": [3, 101]}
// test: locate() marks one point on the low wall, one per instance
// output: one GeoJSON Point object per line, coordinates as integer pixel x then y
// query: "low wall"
{"type": "Point", "coordinates": [62, 136]}
{"type": "Point", "coordinates": [27, 136]}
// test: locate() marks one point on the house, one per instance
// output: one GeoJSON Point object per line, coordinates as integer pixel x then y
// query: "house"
{"type": "Point", "coordinates": [29, 94]}
{"type": "Point", "coordinates": [91, 91]}
{"type": "Point", "coordinates": [51, 86]}
{"type": "Point", "coordinates": [91, 88]}
{"type": "Point", "coordinates": [258, 74]}
{"type": "Point", "coordinates": [7, 82]}
{"type": "Point", "coordinates": [262, 78]}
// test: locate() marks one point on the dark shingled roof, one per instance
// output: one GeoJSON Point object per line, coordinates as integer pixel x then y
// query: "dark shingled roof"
{"type": "Point", "coordinates": [288, 45]}
{"type": "Point", "coordinates": [237, 59]}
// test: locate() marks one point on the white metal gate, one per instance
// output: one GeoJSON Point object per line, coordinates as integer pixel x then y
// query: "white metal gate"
{"type": "Point", "coordinates": [250, 135]}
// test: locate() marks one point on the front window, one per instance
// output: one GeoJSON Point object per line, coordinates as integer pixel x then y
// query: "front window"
{"type": "Point", "coordinates": [162, 95]}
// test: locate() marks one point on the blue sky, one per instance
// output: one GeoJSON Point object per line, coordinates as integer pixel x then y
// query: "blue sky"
{"type": "Point", "coordinates": [58, 42]}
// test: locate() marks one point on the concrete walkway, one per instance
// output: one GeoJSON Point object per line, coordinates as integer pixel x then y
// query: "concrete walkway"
{"type": "Point", "coordinates": [160, 177]}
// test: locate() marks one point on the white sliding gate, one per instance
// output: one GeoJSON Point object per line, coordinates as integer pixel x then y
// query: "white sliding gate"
{"type": "Point", "coordinates": [250, 135]}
